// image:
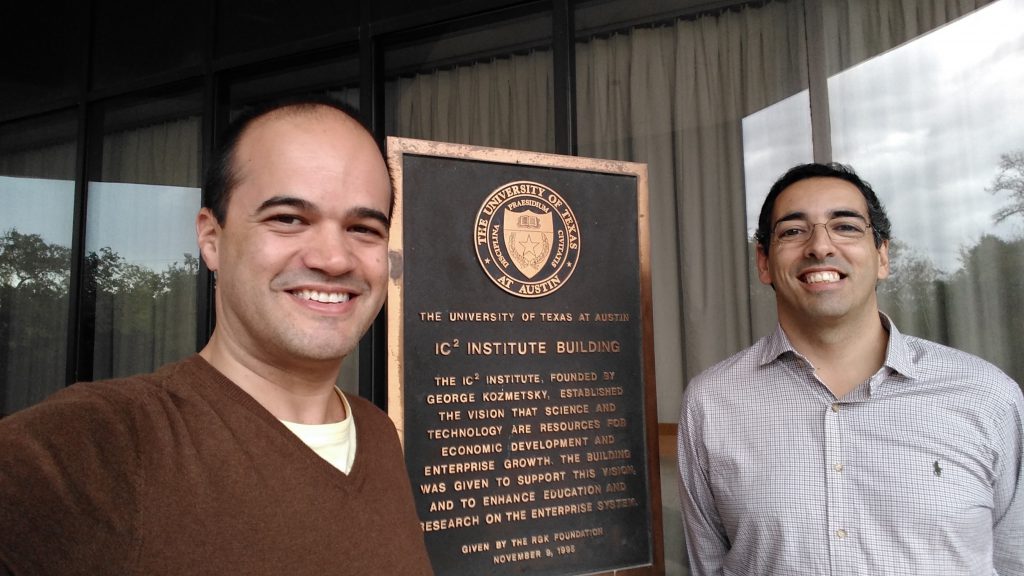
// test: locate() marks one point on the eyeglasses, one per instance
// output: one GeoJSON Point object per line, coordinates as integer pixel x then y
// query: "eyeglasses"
{"type": "Point", "coordinates": [839, 229]}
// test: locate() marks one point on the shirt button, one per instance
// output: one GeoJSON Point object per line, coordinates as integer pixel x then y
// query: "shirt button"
{"type": "Point", "coordinates": [835, 407]}
{"type": "Point", "coordinates": [840, 533]}
{"type": "Point", "coordinates": [838, 467]}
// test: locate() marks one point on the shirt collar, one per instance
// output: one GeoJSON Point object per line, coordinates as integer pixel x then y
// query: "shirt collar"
{"type": "Point", "coordinates": [898, 355]}
{"type": "Point", "coordinates": [776, 344]}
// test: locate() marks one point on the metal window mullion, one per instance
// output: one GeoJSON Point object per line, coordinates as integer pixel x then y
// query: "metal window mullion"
{"type": "Point", "coordinates": [373, 347]}
{"type": "Point", "coordinates": [817, 80]}
{"type": "Point", "coordinates": [564, 76]}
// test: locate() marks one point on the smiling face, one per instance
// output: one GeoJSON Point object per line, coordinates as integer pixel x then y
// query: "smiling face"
{"type": "Point", "coordinates": [823, 280]}
{"type": "Point", "coordinates": [302, 255]}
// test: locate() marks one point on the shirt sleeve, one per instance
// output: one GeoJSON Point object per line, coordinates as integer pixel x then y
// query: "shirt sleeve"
{"type": "Point", "coordinates": [706, 539]}
{"type": "Point", "coordinates": [1008, 515]}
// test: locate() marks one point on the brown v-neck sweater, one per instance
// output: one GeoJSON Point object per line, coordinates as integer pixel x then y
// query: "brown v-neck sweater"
{"type": "Point", "coordinates": [181, 472]}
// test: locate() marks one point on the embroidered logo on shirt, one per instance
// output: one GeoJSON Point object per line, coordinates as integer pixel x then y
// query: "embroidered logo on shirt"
{"type": "Point", "coordinates": [938, 469]}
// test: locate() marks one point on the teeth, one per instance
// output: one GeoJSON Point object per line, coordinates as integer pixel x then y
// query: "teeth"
{"type": "Point", "coordinates": [816, 277]}
{"type": "Point", "coordinates": [324, 297]}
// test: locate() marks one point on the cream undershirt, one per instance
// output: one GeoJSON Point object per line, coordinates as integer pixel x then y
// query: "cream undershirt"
{"type": "Point", "coordinates": [334, 442]}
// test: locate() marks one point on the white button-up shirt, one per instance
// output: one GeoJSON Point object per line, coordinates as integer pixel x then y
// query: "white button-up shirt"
{"type": "Point", "coordinates": [917, 471]}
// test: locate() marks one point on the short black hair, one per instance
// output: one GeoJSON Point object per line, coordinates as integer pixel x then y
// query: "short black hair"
{"type": "Point", "coordinates": [880, 227]}
{"type": "Point", "coordinates": [222, 176]}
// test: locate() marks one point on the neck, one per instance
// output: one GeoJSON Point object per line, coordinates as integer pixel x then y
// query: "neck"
{"type": "Point", "coordinates": [845, 353]}
{"type": "Point", "coordinates": [295, 391]}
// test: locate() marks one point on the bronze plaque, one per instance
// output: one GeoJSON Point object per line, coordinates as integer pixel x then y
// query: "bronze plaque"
{"type": "Point", "coordinates": [520, 369]}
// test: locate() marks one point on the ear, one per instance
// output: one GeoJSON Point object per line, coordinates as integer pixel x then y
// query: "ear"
{"type": "Point", "coordinates": [883, 260]}
{"type": "Point", "coordinates": [763, 273]}
{"type": "Point", "coordinates": [208, 234]}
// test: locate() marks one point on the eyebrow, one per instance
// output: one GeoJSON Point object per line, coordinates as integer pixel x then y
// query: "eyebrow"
{"type": "Point", "coordinates": [290, 201]}
{"type": "Point", "coordinates": [307, 206]}
{"type": "Point", "coordinates": [372, 213]}
{"type": "Point", "coordinates": [838, 213]}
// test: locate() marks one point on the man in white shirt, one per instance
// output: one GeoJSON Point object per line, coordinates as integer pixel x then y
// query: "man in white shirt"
{"type": "Point", "coordinates": [838, 445]}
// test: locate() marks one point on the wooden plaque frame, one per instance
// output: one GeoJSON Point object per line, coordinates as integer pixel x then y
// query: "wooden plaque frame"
{"type": "Point", "coordinates": [520, 359]}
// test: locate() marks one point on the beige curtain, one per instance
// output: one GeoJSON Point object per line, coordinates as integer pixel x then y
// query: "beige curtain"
{"type": "Point", "coordinates": [861, 29]}
{"type": "Point", "coordinates": [674, 97]}
{"type": "Point", "coordinates": [56, 161]}
{"type": "Point", "coordinates": [164, 154]}
{"type": "Point", "coordinates": [504, 103]}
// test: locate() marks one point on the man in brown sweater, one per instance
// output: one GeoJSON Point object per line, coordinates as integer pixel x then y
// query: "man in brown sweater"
{"type": "Point", "coordinates": [243, 459]}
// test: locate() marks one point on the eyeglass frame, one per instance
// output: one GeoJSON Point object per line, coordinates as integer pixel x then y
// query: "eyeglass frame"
{"type": "Point", "coordinates": [812, 225]}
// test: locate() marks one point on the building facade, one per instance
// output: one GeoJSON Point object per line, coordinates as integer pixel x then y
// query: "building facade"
{"type": "Point", "coordinates": [109, 112]}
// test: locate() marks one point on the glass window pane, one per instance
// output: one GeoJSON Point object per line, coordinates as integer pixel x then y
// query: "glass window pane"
{"type": "Point", "coordinates": [490, 85]}
{"type": "Point", "coordinates": [37, 192]}
{"type": "Point", "coordinates": [141, 253]}
{"type": "Point", "coordinates": [775, 139]}
{"type": "Point", "coordinates": [936, 126]}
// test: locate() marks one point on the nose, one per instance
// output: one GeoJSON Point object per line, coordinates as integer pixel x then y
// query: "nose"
{"type": "Point", "coordinates": [819, 245]}
{"type": "Point", "coordinates": [329, 252]}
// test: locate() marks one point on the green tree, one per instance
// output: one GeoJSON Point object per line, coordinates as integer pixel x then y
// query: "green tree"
{"type": "Point", "coordinates": [34, 278]}
{"type": "Point", "coordinates": [29, 263]}
{"type": "Point", "coordinates": [139, 318]}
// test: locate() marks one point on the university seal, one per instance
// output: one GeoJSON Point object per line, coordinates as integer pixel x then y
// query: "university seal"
{"type": "Point", "coordinates": [527, 239]}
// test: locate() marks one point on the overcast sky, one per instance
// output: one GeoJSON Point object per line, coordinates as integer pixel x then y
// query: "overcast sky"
{"type": "Point", "coordinates": [146, 225]}
{"type": "Point", "coordinates": [924, 123]}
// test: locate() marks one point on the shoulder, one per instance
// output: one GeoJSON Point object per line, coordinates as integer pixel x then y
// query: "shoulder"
{"type": "Point", "coordinates": [83, 403]}
{"type": "Point", "coordinates": [726, 388]}
{"type": "Point", "coordinates": [721, 377]}
{"type": "Point", "coordinates": [80, 449]}
{"type": "Point", "coordinates": [89, 412]}
{"type": "Point", "coordinates": [934, 361]}
{"type": "Point", "coordinates": [964, 377]}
